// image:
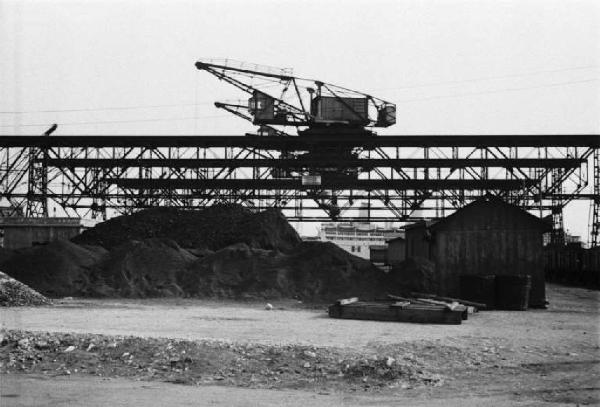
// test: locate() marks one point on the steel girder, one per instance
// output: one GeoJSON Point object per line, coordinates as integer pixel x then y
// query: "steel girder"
{"type": "Point", "coordinates": [299, 142]}
{"type": "Point", "coordinates": [397, 177]}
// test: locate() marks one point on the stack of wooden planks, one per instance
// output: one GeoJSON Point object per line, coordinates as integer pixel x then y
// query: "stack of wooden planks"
{"type": "Point", "coordinates": [405, 309]}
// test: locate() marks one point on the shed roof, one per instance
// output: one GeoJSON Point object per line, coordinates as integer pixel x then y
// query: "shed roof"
{"type": "Point", "coordinates": [491, 199]}
{"type": "Point", "coordinates": [420, 223]}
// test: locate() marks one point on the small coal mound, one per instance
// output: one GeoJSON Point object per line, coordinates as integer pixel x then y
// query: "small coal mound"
{"type": "Point", "coordinates": [212, 228]}
{"type": "Point", "coordinates": [58, 269]}
{"type": "Point", "coordinates": [14, 293]}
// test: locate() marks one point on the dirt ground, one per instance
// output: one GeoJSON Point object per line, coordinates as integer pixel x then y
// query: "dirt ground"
{"type": "Point", "coordinates": [538, 357]}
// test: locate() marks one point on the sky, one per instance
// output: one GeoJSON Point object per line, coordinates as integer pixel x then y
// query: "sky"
{"type": "Point", "coordinates": [452, 67]}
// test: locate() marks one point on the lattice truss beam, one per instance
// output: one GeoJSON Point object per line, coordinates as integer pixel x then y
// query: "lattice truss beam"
{"type": "Point", "coordinates": [395, 183]}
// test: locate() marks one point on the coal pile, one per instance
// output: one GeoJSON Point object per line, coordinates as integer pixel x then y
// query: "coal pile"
{"type": "Point", "coordinates": [222, 252]}
{"type": "Point", "coordinates": [313, 271]}
{"type": "Point", "coordinates": [57, 269]}
{"type": "Point", "coordinates": [212, 228]}
{"type": "Point", "coordinates": [234, 271]}
{"type": "Point", "coordinates": [324, 271]}
{"type": "Point", "coordinates": [146, 268]}
{"type": "Point", "coordinates": [15, 293]}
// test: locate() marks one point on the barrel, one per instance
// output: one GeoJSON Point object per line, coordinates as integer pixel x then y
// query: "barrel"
{"type": "Point", "coordinates": [512, 292]}
{"type": "Point", "coordinates": [478, 288]}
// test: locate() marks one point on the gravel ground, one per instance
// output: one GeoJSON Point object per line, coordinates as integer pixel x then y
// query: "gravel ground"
{"type": "Point", "coordinates": [536, 357]}
{"type": "Point", "coordinates": [570, 320]}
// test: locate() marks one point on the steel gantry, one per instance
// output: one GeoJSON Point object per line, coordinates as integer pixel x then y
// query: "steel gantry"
{"type": "Point", "coordinates": [396, 178]}
{"type": "Point", "coordinates": [595, 215]}
{"type": "Point", "coordinates": [314, 155]}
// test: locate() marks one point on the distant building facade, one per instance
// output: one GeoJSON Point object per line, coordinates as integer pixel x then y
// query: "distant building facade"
{"type": "Point", "coordinates": [357, 238]}
{"type": "Point", "coordinates": [18, 232]}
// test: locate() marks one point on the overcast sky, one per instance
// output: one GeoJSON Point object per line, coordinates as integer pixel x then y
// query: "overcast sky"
{"type": "Point", "coordinates": [470, 67]}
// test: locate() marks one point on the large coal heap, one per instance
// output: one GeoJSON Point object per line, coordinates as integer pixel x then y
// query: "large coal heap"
{"type": "Point", "coordinates": [222, 251]}
{"type": "Point", "coordinates": [212, 228]}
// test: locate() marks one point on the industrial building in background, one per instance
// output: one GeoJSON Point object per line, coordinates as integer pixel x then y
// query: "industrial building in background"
{"type": "Point", "coordinates": [359, 238]}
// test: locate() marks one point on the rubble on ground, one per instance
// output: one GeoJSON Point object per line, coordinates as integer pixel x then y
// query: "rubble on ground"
{"type": "Point", "coordinates": [15, 293]}
{"type": "Point", "coordinates": [211, 362]}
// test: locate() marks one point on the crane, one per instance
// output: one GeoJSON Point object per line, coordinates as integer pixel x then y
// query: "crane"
{"type": "Point", "coordinates": [277, 98]}
{"type": "Point", "coordinates": [313, 108]}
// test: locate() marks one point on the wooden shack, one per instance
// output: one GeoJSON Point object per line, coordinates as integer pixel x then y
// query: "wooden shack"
{"type": "Point", "coordinates": [488, 236]}
{"type": "Point", "coordinates": [417, 238]}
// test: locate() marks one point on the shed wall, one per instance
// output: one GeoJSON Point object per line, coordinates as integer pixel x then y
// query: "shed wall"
{"type": "Point", "coordinates": [490, 238]}
{"type": "Point", "coordinates": [396, 251]}
{"type": "Point", "coordinates": [416, 243]}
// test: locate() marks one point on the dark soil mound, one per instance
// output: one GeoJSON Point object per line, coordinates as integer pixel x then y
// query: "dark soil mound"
{"type": "Point", "coordinates": [14, 293]}
{"type": "Point", "coordinates": [141, 269]}
{"type": "Point", "coordinates": [212, 228]}
{"type": "Point", "coordinates": [57, 269]}
{"type": "Point", "coordinates": [413, 274]}
{"type": "Point", "coordinates": [314, 271]}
